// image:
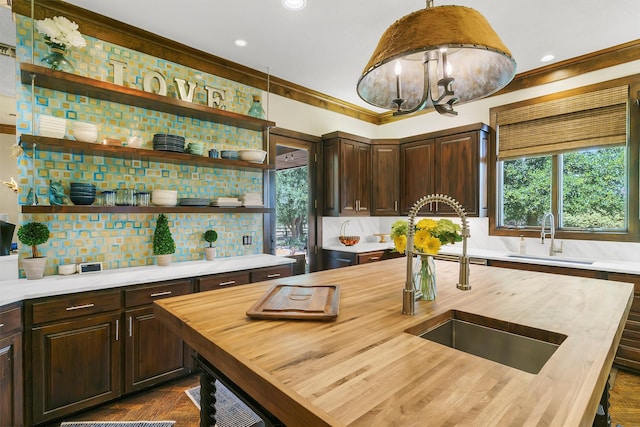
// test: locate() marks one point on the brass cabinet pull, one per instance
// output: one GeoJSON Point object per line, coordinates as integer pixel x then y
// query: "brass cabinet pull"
{"type": "Point", "coordinates": [395, 205]}
{"type": "Point", "coordinates": [230, 282]}
{"type": "Point", "coordinates": [374, 258]}
{"type": "Point", "coordinates": [1, 325]}
{"type": "Point", "coordinates": [130, 326]}
{"type": "Point", "coordinates": [160, 294]}
{"type": "Point", "coordinates": [79, 307]}
{"type": "Point", "coordinates": [117, 329]}
{"type": "Point", "coordinates": [271, 276]}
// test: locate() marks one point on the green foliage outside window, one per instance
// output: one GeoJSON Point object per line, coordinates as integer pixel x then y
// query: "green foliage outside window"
{"type": "Point", "coordinates": [592, 196]}
{"type": "Point", "coordinates": [292, 206]}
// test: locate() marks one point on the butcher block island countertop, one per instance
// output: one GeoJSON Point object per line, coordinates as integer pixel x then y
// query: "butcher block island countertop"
{"type": "Point", "coordinates": [364, 369]}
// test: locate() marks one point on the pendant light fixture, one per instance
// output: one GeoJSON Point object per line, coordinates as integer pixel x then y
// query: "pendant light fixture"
{"type": "Point", "coordinates": [436, 57]}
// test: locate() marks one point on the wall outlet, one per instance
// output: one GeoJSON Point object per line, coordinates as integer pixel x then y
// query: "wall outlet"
{"type": "Point", "coordinates": [246, 240]}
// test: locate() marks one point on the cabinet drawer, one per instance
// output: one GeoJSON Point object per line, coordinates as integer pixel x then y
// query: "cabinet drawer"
{"type": "Point", "coordinates": [150, 293]}
{"type": "Point", "coordinates": [10, 321]}
{"type": "Point", "coordinates": [75, 305]}
{"type": "Point", "coordinates": [270, 273]}
{"type": "Point", "coordinates": [370, 257]}
{"type": "Point", "coordinates": [223, 280]}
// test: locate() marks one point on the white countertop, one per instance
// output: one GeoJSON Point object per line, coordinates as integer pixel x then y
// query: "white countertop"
{"type": "Point", "coordinates": [21, 289]}
{"type": "Point", "coordinates": [557, 261]}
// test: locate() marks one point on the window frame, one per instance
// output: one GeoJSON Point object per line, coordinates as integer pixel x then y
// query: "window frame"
{"type": "Point", "coordinates": [632, 233]}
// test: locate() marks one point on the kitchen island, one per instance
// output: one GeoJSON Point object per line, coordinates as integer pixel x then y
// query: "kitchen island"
{"type": "Point", "coordinates": [369, 368]}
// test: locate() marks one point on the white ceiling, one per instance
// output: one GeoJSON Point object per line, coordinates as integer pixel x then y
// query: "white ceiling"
{"type": "Point", "coordinates": [326, 45]}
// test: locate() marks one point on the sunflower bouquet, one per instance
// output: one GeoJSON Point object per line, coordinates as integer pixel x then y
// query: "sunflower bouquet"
{"type": "Point", "coordinates": [428, 237]}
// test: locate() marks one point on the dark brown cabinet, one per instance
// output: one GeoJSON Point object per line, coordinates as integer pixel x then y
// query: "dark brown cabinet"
{"type": "Point", "coordinates": [385, 179]}
{"type": "Point", "coordinates": [153, 353]}
{"type": "Point", "coordinates": [347, 175]}
{"type": "Point", "coordinates": [76, 365]}
{"type": "Point", "coordinates": [11, 391]}
{"type": "Point", "coordinates": [453, 163]}
{"type": "Point", "coordinates": [338, 259]}
{"type": "Point", "coordinates": [417, 163]}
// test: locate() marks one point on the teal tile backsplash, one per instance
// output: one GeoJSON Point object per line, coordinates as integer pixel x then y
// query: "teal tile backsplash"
{"type": "Point", "coordinates": [119, 240]}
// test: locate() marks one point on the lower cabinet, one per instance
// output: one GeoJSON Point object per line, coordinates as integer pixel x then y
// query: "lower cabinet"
{"type": "Point", "coordinates": [153, 353]}
{"type": "Point", "coordinates": [338, 259]}
{"type": "Point", "coordinates": [11, 391]}
{"type": "Point", "coordinates": [75, 352]}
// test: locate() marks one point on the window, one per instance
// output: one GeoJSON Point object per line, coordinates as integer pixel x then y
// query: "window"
{"type": "Point", "coordinates": [570, 154]}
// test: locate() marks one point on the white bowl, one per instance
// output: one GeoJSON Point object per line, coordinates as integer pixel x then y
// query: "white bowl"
{"type": "Point", "coordinates": [253, 156]}
{"type": "Point", "coordinates": [86, 136]}
{"type": "Point", "coordinates": [67, 269]}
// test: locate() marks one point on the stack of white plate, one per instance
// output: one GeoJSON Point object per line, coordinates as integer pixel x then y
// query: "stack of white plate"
{"type": "Point", "coordinates": [251, 200]}
{"type": "Point", "coordinates": [164, 197]}
{"type": "Point", "coordinates": [52, 127]}
{"type": "Point", "coordinates": [85, 132]}
{"type": "Point", "coordinates": [226, 202]}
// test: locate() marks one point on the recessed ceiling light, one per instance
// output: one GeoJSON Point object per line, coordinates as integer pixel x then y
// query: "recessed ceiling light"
{"type": "Point", "coordinates": [241, 43]}
{"type": "Point", "coordinates": [547, 58]}
{"type": "Point", "coordinates": [294, 4]}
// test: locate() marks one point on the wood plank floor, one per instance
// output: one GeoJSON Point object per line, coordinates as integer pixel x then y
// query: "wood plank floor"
{"type": "Point", "coordinates": [170, 402]}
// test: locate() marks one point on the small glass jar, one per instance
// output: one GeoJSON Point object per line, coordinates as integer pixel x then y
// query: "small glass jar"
{"type": "Point", "coordinates": [108, 198]}
{"type": "Point", "coordinates": [143, 198]}
{"type": "Point", "coordinates": [125, 197]}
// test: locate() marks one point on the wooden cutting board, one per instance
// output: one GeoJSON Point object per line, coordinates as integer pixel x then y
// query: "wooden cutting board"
{"type": "Point", "coordinates": [318, 302]}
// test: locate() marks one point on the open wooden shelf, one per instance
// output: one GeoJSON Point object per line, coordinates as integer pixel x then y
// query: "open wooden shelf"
{"type": "Point", "coordinates": [75, 209]}
{"type": "Point", "coordinates": [98, 89]}
{"type": "Point", "coordinates": [77, 147]}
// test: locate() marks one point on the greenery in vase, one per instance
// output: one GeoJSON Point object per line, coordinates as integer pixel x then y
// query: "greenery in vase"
{"type": "Point", "coordinates": [429, 235]}
{"type": "Point", "coordinates": [33, 234]}
{"type": "Point", "coordinates": [210, 236]}
{"type": "Point", "coordinates": [163, 243]}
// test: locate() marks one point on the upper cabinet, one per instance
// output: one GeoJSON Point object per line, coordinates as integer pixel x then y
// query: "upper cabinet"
{"type": "Point", "coordinates": [347, 175]}
{"type": "Point", "coordinates": [385, 179]}
{"type": "Point", "coordinates": [452, 162]}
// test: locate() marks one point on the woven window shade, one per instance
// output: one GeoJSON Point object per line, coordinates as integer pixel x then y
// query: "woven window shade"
{"type": "Point", "coordinates": [586, 120]}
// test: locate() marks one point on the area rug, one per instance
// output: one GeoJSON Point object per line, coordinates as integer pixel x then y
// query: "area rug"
{"type": "Point", "coordinates": [230, 410]}
{"type": "Point", "coordinates": [118, 424]}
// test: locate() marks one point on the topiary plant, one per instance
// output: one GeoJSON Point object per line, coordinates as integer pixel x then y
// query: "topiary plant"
{"type": "Point", "coordinates": [210, 236]}
{"type": "Point", "coordinates": [33, 234]}
{"type": "Point", "coordinates": [163, 243]}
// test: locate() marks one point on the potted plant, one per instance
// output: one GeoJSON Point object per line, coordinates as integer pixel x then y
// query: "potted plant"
{"type": "Point", "coordinates": [34, 234]}
{"type": "Point", "coordinates": [163, 244]}
{"type": "Point", "coordinates": [210, 236]}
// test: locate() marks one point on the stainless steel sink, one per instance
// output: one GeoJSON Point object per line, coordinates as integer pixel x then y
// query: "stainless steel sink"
{"type": "Point", "coordinates": [517, 346]}
{"type": "Point", "coordinates": [550, 258]}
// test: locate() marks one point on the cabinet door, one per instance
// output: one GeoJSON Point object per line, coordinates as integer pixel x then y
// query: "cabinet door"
{"type": "Point", "coordinates": [385, 179]}
{"type": "Point", "coordinates": [76, 364]}
{"type": "Point", "coordinates": [363, 175]}
{"type": "Point", "coordinates": [417, 162]}
{"type": "Point", "coordinates": [331, 178]}
{"type": "Point", "coordinates": [11, 381]}
{"type": "Point", "coordinates": [459, 167]}
{"type": "Point", "coordinates": [338, 259]}
{"type": "Point", "coordinates": [349, 179]}
{"type": "Point", "coordinates": [153, 353]}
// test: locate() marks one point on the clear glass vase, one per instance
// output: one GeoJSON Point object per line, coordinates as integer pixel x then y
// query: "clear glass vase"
{"type": "Point", "coordinates": [424, 277]}
{"type": "Point", "coordinates": [56, 59]}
